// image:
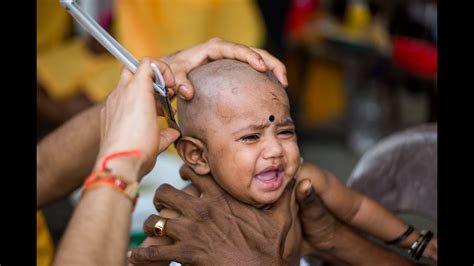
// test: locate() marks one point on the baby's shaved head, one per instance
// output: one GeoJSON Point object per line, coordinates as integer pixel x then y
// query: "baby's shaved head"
{"type": "Point", "coordinates": [215, 84]}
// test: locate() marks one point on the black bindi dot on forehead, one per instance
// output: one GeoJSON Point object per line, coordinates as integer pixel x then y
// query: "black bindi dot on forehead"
{"type": "Point", "coordinates": [271, 118]}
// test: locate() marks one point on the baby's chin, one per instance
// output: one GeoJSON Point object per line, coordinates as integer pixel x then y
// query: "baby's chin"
{"type": "Point", "coordinates": [262, 199]}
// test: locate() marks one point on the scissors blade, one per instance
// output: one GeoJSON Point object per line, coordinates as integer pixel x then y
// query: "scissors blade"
{"type": "Point", "coordinates": [164, 99]}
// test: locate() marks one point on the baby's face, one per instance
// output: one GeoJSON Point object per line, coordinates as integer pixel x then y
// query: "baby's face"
{"type": "Point", "coordinates": [252, 149]}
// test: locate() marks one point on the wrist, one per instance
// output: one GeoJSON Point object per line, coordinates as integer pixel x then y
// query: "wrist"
{"type": "Point", "coordinates": [127, 164]}
{"type": "Point", "coordinates": [128, 168]}
{"type": "Point", "coordinates": [407, 242]}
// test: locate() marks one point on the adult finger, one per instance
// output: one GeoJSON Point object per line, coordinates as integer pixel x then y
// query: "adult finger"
{"type": "Point", "coordinates": [222, 49]}
{"type": "Point", "coordinates": [167, 137]}
{"type": "Point", "coordinates": [281, 207]}
{"type": "Point", "coordinates": [144, 71]}
{"type": "Point", "coordinates": [174, 199]}
{"type": "Point", "coordinates": [150, 254]}
{"type": "Point", "coordinates": [275, 65]}
{"type": "Point", "coordinates": [205, 184]}
{"type": "Point", "coordinates": [125, 77]}
{"type": "Point", "coordinates": [184, 88]}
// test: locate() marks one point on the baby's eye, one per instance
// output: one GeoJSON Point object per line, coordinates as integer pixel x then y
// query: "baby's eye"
{"type": "Point", "coordinates": [249, 138]}
{"type": "Point", "coordinates": [287, 132]}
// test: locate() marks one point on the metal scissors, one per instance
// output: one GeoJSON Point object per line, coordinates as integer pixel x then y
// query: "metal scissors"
{"type": "Point", "coordinates": [122, 55]}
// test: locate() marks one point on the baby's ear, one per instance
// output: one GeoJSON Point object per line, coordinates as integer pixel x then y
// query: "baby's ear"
{"type": "Point", "coordinates": [191, 150]}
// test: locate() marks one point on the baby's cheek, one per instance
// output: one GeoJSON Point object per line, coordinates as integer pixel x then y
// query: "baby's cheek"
{"type": "Point", "coordinates": [292, 153]}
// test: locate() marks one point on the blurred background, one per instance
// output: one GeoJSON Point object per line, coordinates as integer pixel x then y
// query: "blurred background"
{"type": "Point", "coordinates": [358, 72]}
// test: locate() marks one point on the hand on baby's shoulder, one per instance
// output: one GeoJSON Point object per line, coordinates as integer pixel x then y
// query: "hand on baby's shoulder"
{"type": "Point", "coordinates": [318, 176]}
{"type": "Point", "coordinates": [172, 214]}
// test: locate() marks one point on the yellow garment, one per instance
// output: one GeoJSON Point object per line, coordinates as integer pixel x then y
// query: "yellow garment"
{"type": "Point", "coordinates": [105, 73]}
{"type": "Point", "coordinates": [323, 98]}
{"type": "Point", "coordinates": [158, 27]}
{"type": "Point", "coordinates": [44, 244]}
{"type": "Point", "coordinates": [53, 23]}
{"type": "Point", "coordinates": [64, 69]}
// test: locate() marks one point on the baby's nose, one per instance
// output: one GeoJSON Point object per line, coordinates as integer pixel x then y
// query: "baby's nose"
{"type": "Point", "coordinates": [273, 149]}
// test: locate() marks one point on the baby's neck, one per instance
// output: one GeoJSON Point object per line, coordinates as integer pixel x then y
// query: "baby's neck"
{"type": "Point", "coordinates": [293, 203]}
{"type": "Point", "coordinates": [264, 206]}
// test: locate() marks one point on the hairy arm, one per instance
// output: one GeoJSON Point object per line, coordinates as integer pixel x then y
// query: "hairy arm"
{"type": "Point", "coordinates": [66, 156]}
{"type": "Point", "coordinates": [107, 210]}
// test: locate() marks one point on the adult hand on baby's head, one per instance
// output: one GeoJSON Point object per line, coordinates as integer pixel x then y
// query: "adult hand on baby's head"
{"type": "Point", "coordinates": [128, 118]}
{"type": "Point", "coordinates": [216, 229]}
{"type": "Point", "coordinates": [184, 61]}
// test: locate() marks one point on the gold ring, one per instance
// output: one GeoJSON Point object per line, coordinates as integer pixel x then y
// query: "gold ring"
{"type": "Point", "coordinates": [160, 227]}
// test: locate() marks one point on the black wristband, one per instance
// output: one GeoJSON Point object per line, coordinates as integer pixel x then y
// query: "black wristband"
{"type": "Point", "coordinates": [424, 243]}
{"type": "Point", "coordinates": [409, 230]}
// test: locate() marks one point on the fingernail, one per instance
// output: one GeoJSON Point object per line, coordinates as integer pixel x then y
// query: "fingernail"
{"type": "Point", "coordinates": [129, 254]}
{"type": "Point", "coordinates": [182, 90]}
{"type": "Point", "coordinates": [262, 63]}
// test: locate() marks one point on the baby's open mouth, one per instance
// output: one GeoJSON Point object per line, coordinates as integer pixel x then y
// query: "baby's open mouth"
{"type": "Point", "coordinates": [269, 175]}
{"type": "Point", "coordinates": [271, 178]}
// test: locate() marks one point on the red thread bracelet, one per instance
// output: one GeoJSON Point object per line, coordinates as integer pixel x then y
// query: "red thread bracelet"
{"type": "Point", "coordinates": [136, 153]}
{"type": "Point", "coordinates": [105, 177]}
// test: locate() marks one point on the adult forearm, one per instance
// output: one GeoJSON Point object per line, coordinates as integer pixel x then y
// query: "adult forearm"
{"type": "Point", "coordinates": [353, 249]}
{"type": "Point", "coordinates": [378, 221]}
{"type": "Point", "coordinates": [66, 156]}
{"type": "Point", "coordinates": [98, 231]}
